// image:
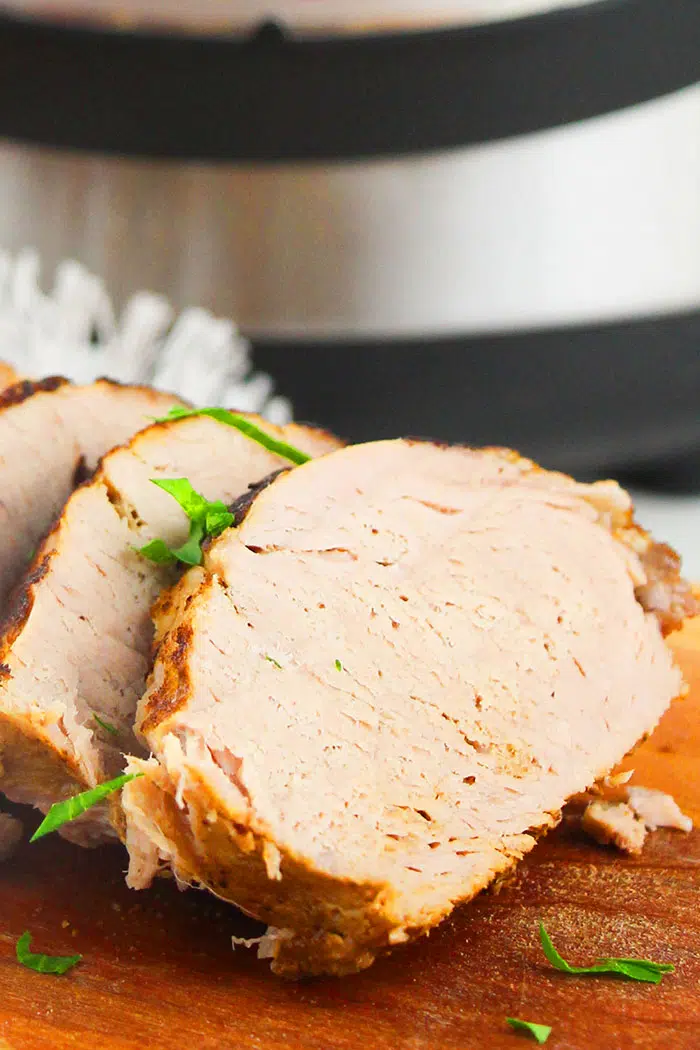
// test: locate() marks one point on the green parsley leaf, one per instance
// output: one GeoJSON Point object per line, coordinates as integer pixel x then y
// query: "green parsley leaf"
{"type": "Point", "coordinates": [105, 725]}
{"type": "Point", "coordinates": [242, 423]}
{"type": "Point", "coordinates": [271, 660]}
{"type": "Point", "coordinates": [217, 518]}
{"type": "Point", "coordinates": [191, 501]}
{"type": "Point", "coordinates": [207, 518]}
{"type": "Point", "coordinates": [43, 963]}
{"type": "Point", "coordinates": [63, 812]}
{"type": "Point", "coordinates": [540, 1032]}
{"type": "Point", "coordinates": [190, 553]}
{"type": "Point", "coordinates": [632, 969]}
{"type": "Point", "coordinates": [338, 665]}
{"type": "Point", "coordinates": [157, 551]}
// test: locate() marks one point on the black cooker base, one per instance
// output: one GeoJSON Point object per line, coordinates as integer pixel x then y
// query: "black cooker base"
{"type": "Point", "coordinates": [608, 398]}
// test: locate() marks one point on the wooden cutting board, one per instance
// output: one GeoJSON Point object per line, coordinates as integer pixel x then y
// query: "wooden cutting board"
{"type": "Point", "coordinates": [158, 970]}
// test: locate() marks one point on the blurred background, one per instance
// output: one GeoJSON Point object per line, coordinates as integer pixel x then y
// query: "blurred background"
{"type": "Point", "coordinates": [477, 220]}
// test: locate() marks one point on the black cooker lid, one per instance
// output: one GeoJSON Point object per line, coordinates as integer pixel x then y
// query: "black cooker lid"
{"type": "Point", "coordinates": [273, 97]}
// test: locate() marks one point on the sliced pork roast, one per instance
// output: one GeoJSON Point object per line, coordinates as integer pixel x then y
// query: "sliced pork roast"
{"type": "Point", "coordinates": [51, 431]}
{"type": "Point", "coordinates": [384, 684]}
{"type": "Point", "coordinates": [75, 652]}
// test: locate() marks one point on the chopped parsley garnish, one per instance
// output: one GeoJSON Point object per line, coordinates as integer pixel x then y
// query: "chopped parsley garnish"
{"type": "Point", "coordinates": [242, 423]}
{"type": "Point", "coordinates": [63, 812]}
{"type": "Point", "coordinates": [43, 963]}
{"type": "Point", "coordinates": [632, 969]}
{"type": "Point", "coordinates": [540, 1032]}
{"type": "Point", "coordinates": [105, 725]}
{"type": "Point", "coordinates": [271, 660]}
{"type": "Point", "coordinates": [338, 665]}
{"type": "Point", "coordinates": [206, 519]}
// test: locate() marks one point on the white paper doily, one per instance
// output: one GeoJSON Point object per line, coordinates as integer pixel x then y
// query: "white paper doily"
{"type": "Point", "coordinates": [74, 331]}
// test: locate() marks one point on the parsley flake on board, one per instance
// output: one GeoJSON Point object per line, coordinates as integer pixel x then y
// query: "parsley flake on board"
{"type": "Point", "coordinates": [207, 518]}
{"type": "Point", "coordinates": [63, 812]}
{"type": "Point", "coordinates": [245, 426]}
{"type": "Point", "coordinates": [271, 660]}
{"type": "Point", "coordinates": [57, 964]}
{"type": "Point", "coordinates": [632, 969]}
{"type": "Point", "coordinates": [338, 665]}
{"type": "Point", "coordinates": [540, 1032]}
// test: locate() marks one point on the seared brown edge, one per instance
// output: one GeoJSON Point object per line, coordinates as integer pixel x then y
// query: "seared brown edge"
{"type": "Point", "coordinates": [172, 645]}
{"type": "Point", "coordinates": [27, 762]}
{"type": "Point", "coordinates": [145, 388]}
{"type": "Point", "coordinates": [174, 689]}
{"type": "Point", "coordinates": [663, 568]}
{"type": "Point", "coordinates": [240, 507]}
{"type": "Point", "coordinates": [21, 600]}
{"type": "Point", "coordinates": [25, 388]}
{"type": "Point", "coordinates": [330, 916]}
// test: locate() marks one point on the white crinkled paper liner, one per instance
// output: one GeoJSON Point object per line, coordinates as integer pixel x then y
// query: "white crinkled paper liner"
{"type": "Point", "coordinates": [75, 332]}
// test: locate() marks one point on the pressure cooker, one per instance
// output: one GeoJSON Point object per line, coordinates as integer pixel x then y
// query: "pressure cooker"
{"type": "Point", "coordinates": [477, 220]}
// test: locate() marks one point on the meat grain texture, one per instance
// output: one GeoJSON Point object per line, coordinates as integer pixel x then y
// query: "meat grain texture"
{"type": "Point", "coordinates": [76, 646]}
{"type": "Point", "coordinates": [51, 434]}
{"type": "Point", "coordinates": [385, 683]}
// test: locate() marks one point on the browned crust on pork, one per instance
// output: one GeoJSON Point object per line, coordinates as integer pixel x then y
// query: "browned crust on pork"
{"type": "Point", "coordinates": [27, 761]}
{"type": "Point", "coordinates": [174, 690]}
{"type": "Point", "coordinates": [156, 395]}
{"type": "Point", "coordinates": [21, 600]}
{"type": "Point", "coordinates": [666, 593]}
{"type": "Point", "coordinates": [339, 925]}
{"type": "Point", "coordinates": [229, 860]}
{"type": "Point", "coordinates": [240, 507]}
{"type": "Point", "coordinates": [23, 389]}
{"type": "Point", "coordinates": [171, 646]}
{"type": "Point", "coordinates": [29, 765]}
{"type": "Point", "coordinates": [33, 766]}
{"type": "Point", "coordinates": [26, 388]}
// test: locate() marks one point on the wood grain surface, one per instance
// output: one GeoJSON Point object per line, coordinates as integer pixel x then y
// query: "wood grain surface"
{"type": "Point", "coordinates": [158, 972]}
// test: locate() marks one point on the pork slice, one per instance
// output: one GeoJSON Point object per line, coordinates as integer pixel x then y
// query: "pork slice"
{"type": "Point", "coordinates": [75, 651]}
{"type": "Point", "coordinates": [657, 809]}
{"type": "Point", "coordinates": [51, 434]}
{"type": "Point", "coordinates": [615, 824]}
{"type": "Point", "coordinates": [383, 685]}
